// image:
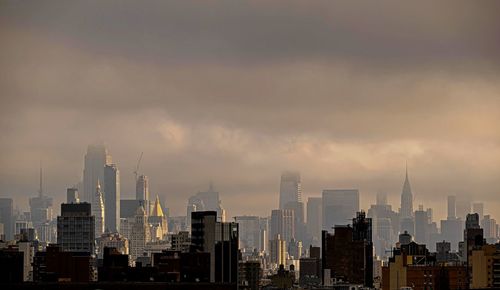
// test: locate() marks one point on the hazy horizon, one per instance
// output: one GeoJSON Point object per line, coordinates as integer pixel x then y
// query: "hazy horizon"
{"type": "Point", "coordinates": [344, 92]}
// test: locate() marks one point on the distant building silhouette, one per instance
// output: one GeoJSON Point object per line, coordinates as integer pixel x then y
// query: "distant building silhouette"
{"type": "Point", "coordinates": [290, 188]}
{"type": "Point", "coordinates": [283, 224]}
{"type": "Point", "coordinates": [406, 198]}
{"type": "Point", "coordinates": [72, 195]}
{"type": "Point", "coordinates": [7, 217]}
{"type": "Point", "coordinates": [339, 206]}
{"type": "Point", "coordinates": [95, 159]}
{"type": "Point", "coordinates": [314, 218]}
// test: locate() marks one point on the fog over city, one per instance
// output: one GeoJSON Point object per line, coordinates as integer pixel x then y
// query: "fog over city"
{"type": "Point", "coordinates": [344, 92]}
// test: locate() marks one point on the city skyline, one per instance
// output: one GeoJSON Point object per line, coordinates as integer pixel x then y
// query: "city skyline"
{"type": "Point", "coordinates": [365, 199]}
{"type": "Point", "coordinates": [250, 145]}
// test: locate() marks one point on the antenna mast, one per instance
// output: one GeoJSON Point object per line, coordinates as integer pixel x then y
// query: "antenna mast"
{"type": "Point", "coordinates": [40, 189]}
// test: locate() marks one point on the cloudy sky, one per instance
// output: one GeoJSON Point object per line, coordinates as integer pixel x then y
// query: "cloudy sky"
{"type": "Point", "coordinates": [236, 92]}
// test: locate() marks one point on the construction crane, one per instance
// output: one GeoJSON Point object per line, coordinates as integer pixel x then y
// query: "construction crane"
{"type": "Point", "coordinates": [136, 172]}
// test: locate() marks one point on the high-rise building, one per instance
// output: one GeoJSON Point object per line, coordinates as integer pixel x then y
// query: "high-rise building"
{"type": "Point", "coordinates": [421, 225]}
{"type": "Point", "coordinates": [314, 218]}
{"type": "Point", "coordinates": [489, 226]}
{"type": "Point", "coordinates": [128, 208]}
{"type": "Point", "coordinates": [348, 252]}
{"type": "Point", "coordinates": [136, 230]}
{"type": "Point", "coordinates": [72, 195]}
{"type": "Point", "coordinates": [7, 217]}
{"type": "Point", "coordinates": [473, 239]}
{"type": "Point", "coordinates": [95, 160]}
{"type": "Point", "coordinates": [298, 215]}
{"type": "Point", "coordinates": [282, 223]}
{"type": "Point", "coordinates": [451, 230]}
{"type": "Point", "coordinates": [226, 252]}
{"type": "Point", "coordinates": [76, 228]}
{"type": "Point", "coordinates": [142, 192]}
{"type": "Point", "coordinates": [112, 198]}
{"type": "Point", "coordinates": [278, 251]}
{"type": "Point", "coordinates": [98, 211]}
{"type": "Point", "coordinates": [206, 201]}
{"type": "Point", "coordinates": [249, 232]}
{"type": "Point", "coordinates": [290, 188]}
{"type": "Point", "coordinates": [220, 239]}
{"type": "Point", "coordinates": [478, 207]}
{"type": "Point", "coordinates": [381, 198]}
{"type": "Point", "coordinates": [41, 208]}
{"type": "Point", "coordinates": [339, 206]}
{"type": "Point", "coordinates": [406, 198]}
{"type": "Point", "coordinates": [264, 234]}
{"type": "Point", "coordinates": [295, 249]}
{"type": "Point", "coordinates": [463, 207]}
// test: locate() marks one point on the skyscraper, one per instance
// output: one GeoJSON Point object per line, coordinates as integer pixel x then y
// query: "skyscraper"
{"type": "Point", "coordinates": [421, 225]}
{"type": "Point", "coordinates": [72, 195]}
{"type": "Point", "coordinates": [220, 239]}
{"type": "Point", "coordinates": [464, 207]}
{"type": "Point", "coordinates": [98, 210]}
{"type": "Point", "coordinates": [348, 252]}
{"type": "Point", "coordinates": [142, 192]}
{"type": "Point", "coordinates": [282, 223]}
{"type": "Point", "coordinates": [7, 217]}
{"type": "Point", "coordinates": [278, 250]}
{"type": "Point", "coordinates": [136, 230]}
{"type": "Point", "coordinates": [339, 206]}
{"type": "Point", "coordinates": [314, 218]}
{"type": "Point", "coordinates": [290, 188]}
{"type": "Point", "coordinates": [206, 201]}
{"type": "Point", "coordinates": [298, 214]}
{"type": "Point", "coordinates": [112, 198]}
{"type": "Point", "coordinates": [95, 160]}
{"type": "Point", "coordinates": [226, 252]}
{"type": "Point", "coordinates": [478, 207]}
{"type": "Point", "coordinates": [76, 228]}
{"type": "Point", "coordinates": [41, 208]}
{"type": "Point", "coordinates": [406, 199]}
{"type": "Point", "coordinates": [249, 232]}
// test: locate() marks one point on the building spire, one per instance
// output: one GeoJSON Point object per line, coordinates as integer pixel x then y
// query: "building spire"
{"type": "Point", "coordinates": [40, 189]}
{"type": "Point", "coordinates": [407, 169]}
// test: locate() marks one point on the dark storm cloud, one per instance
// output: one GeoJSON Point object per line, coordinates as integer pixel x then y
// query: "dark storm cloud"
{"type": "Point", "coordinates": [391, 33]}
{"type": "Point", "coordinates": [235, 92]}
